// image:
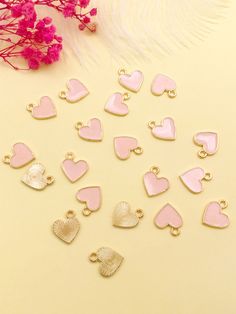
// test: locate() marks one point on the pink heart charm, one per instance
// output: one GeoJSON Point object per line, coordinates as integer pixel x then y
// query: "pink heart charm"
{"type": "Point", "coordinates": [74, 170]}
{"type": "Point", "coordinates": [165, 131]}
{"type": "Point", "coordinates": [92, 132]}
{"type": "Point", "coordinates": [168, 216]}
{"type": "Point", "coordinates": [76, 91]}
{"type": "Point", "coordinates": [213, 216]}
{"type": "Point", "coordinates": [22, 155]}
{"type": "Point", "coordinates": [132, 81]}
{"type": "Point", "coordinates": [154, 185]}
{"type": "Point", "coordinates": [124, 145]}
{"type": "Point", "coordinates": [208, 140]}
{"type": "Point", "coordinates": [44, 110]}
{"type": "Point", "coordinates": [163, 83]}
{"type": "Point", "coordinates": [91, 196]}
{"type": "Point", "coordinates": [192, 179]}
{"type": "Point", "coordinates": [116, 106]}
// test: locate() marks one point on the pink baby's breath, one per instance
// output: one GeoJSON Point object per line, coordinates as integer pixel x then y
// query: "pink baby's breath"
{"type": "Point", "coordinates": [35, 40]}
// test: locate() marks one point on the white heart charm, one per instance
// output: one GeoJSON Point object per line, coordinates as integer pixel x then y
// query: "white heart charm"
{"type": "Point", "coordinates": [123, 217]}
{"type": "Point", "coordinates": [34, 177]}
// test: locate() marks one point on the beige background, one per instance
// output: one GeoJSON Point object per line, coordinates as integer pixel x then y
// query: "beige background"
{"type": "Point", "coordinates": [194, 273]}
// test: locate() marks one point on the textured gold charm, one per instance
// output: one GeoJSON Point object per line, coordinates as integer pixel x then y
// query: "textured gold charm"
{"type": "Point", "coordinates": [109, 260]}
{"type": "Point", "coordinates": [124, 218]}
{"type": "Point", "coordinates": [34, 177]}
{"type": "Point", "coordinates": [66, 230]}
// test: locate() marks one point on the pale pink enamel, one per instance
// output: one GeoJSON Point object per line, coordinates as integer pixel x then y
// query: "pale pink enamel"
{"type": "Point", "coordinates": [76, 91]}
{"type": "Point", "coordinates": [74, 170]}
{"type": "Point", "coordinates": [209, 141]}
{"type": "Point", "coordinates": [192, 179]}
{"type": "Point", "coordinates": [166, 130]}
{"type": "Point", "coordinates": [155, 185]}
{"type": "Point", "coordinates": [22, 155]}
{"type": "Point", "coordinates": [132, 81]}
{"type": "Point", "coordinates": [91, 196]}
{"type": "Point", "coordinates": [168, 216]}
{"type": "Point", "coordinates": [162, 83]}
{"type": "Point", "coordinates": [93, 131]}
{"type": "Point", "coordinates": [45, 109]}
{"type": "Point", "coordinates": [214, 217]}
{"type": "Point", "coordinates": [116, 106]}
{"type": "Point", "coordinates": [124, 145]}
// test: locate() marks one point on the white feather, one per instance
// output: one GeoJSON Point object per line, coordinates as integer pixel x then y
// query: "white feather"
{"type": "Point", "coordinates": [140, 28]}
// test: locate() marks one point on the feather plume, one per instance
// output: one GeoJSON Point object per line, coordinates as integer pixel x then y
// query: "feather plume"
{"type": "Point", "coordinates": [142, 28]}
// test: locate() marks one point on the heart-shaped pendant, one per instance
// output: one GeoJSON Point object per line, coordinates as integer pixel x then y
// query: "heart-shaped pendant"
{"type": "Point", "coordinates": [123, 217]}
{"type": "Point", "coordinates": [154, 185]}
{"type": "Point", "coordinates": [169, 217]}
{"type": "Point", "coordinates": [67, 230]}
{"type": "Point", "coordinates": [34, 177]}
{"type": "Point", "coordinates": [92, 197]}
{"type": "Point", "coordinates": [74, 170]}
{"type": "Point", "coordinates": [162, 84]}
{"type": "Point", "coordinates": [91, 132]}
{"type": "Point", "coordinates": [76, 91]}
{"type": "Point", "coordinates": [124, 145]}
{"type": "Point", "coordinates": [109, 261]}
{"type": "Point", "coordinates": [21, 156]}
{"type": "Point", "coordinates": [192, 179]}
{"type": "Point", "coordinates": [116, 105]}
{"type": "Point", "coordinates": [213, 216]}
{"type": "Point", "coordinates": [164, 131]}
{"type": "Point", "coordinates": [208, 141]}
{"type": "Point", "coordinates": [132, 82]}
{"type": "Point", "coordinates": [45, 109]}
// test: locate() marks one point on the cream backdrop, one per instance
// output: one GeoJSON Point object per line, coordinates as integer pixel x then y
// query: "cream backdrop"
{"type": "Point", "coordinates": [193, 273]}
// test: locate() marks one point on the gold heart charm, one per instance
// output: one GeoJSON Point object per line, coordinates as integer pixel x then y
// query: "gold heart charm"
{"type": "Point", "coordinates": [109, 259]}
{"type": "Point", "coordinates": [66, 230]}
{"type": "Point", "coordinates": [34, 177]}
{"type": "Point", "coordinates": [124, 218]}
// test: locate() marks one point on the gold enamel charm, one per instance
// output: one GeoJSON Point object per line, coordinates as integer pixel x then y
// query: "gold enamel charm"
{"type": "Point", "coordinates": [67, 230]}
{"type": "Point", "coordinates": [34, 177]}
{"type": "Point", "coordinates": [124, 218]}
{"type": "Point", "coordinates": [109, 261]}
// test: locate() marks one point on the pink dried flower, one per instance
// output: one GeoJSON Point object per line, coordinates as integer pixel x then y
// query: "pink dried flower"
{"type": "Point", "coordinates": [33, 64]}
{"type": "Point", "coordinates": [86, 20]}
{"type": "Point", "coordinates": [47, 20]}
{"type": "Point", "coordinates": [24, 35]}
{"type": "Point", "coordinates": [16, 10]}
{"type": "Point", "coordinates": [69, 10]}
{"type": "Point", "coordinates": [93, 12]}
{"type": "Point", "coordinates": [84, 3]}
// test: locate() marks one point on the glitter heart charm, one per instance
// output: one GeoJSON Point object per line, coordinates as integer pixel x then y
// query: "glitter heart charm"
{"type": "Point", "coordinates": [21, 156]}
{"type": "Point", "coordinates": [34, 177]}
{"type": "Point", "coordinates": [92, 197]}
{"type": "Point", "coordinates": [67, 230]}
{"type": "Point", "coordinates": [123, 217]}
{"type": "Point", "coordinates": [45, 109]}
{"type": "Point", "coordinates": [165, 131]}
{"type": "Point", "coordinates": [154, 185]}
{"type": "Point", "coordinates": [208, 141]}
{"type": "Point", "coordinates": [213, 216]}
{"type": "Point", "coordinates": [92, 131]}
{"type": "Point", "coordinates": [169, 217]}
{"type": "Point", "coordinates": [115, 104]}
{"type": "Point", "coordinates": [162, 84]}
{"type": "Point", "coordinates": [124, 145]}
{"type": "Point", "coordinates": [76, 91]}
{"type": "Point", "coordinates": [109, 261]}
{"type": "Point", "coordinates": [193, 178]}
{"type": "Point", "coordinates": [132, 82]}
{"type": "Point", "coordinates": [74, 170]}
